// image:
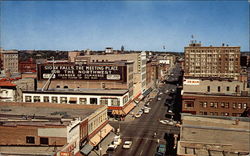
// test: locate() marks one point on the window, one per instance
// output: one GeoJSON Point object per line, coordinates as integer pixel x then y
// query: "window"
{"type": "Point", "coordinates": [204, 113]}
{"type": "Point", "coordinates": [205, 104]}
{"type": "Point", "coordinates": [222, 105]}
{"type": "Point", "coordinates": [36, 98]}
{"type": "Point", "coordinates": [224, 114]}
{"type": "Point", "coordinates": [57, 86]}
{"type": "Point", "coordinates": [63, 99]}
{"type": "Point", "coordinates": [103, 101]}
{"type": "Point", "coordinates": [189, 104]}
{"type": "Point", "coordinates": [211, 104]}
{"type": "Point", "coordinates": [234, 106]}
{"type": "Point", "coordinates": [93, 101]}
{"type": "Point", "coordinates": [27, 98]}
{"type": "Point", "coordinates": [45, 99]}
{"type": "Point", "coordinates": [44, 141]}
{"type": "Point", "coordinates": [115, 102]}
{"type": "Point", "coordinates": [228, 88]}
{"type": "Point", "coordinates": [239, 105]}
{"type": "Point", "coordinates": [54, 99]}
{"type": "Point", "coordinates": [216, 113]}
{"type": "Point", "coordinates": [216, 105]}
{"type": "Point", "coordinates": [218, 88]}
{"type": "Point", "coordinates": [30, 139]}
{"type": "Point", "coordinates": [208, 88]}
{"type": "Point", "coordinates": [226, 105]}
{"type": "Point", "coordinates": [83, 101]}
{"type": "Point", "coordinates": [125, 100]}
{"type": "Point", "coordinates": [244, 105]}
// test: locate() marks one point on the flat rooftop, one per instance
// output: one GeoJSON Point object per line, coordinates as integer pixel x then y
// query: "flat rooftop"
{"type": "Point", "coordinates": [82, 91]}
{"type": "Point", "coordinates": [43, 113]}
{"type": "Point", "coordinates": [214, 135]}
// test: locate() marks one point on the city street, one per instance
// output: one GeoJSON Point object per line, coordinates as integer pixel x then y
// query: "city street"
{"type": "Point", "coordinates": [141, 130]}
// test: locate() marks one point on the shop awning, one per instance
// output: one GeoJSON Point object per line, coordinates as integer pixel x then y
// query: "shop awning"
{"type": "Point", "coordinates": [128, 108]}
{"type": "Point", "coordinates": [87, 149]}
{"type": "Point", "coordinates": [117, 112]}
{"type": "Point", "coordinates": [101, 134]}
{"type": "Point", "coordinates": [147, 92]}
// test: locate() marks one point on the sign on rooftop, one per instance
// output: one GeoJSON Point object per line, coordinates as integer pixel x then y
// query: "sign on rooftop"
{"type": "Point", "coordinates": [82, 72]}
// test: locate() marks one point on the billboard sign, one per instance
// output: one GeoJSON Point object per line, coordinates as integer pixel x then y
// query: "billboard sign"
{"type": "Point", "coordinates": [81, 72]}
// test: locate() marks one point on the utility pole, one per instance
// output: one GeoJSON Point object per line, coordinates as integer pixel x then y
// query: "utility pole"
{"type": "Point", "coordinates": [52, 73]}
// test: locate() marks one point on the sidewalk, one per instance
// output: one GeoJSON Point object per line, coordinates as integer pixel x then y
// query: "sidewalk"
{"type": "Point", "coordinates": [104, 145]}
{"type": "Point", "coordinates": [140, 105]}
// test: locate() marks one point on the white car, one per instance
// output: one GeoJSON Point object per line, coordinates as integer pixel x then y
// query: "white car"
{"type": "Point", "coordinates": [112, 146]}
{"type": "Point", "coordinates": [160, 93]}
{"type": "Point", "coordinates": [146, 110]}
{"type": "Point", "coordinates": [137, 115]}
{"type": "Point", "coordinates": [165, 122]}
{"type": "Point", "coordinates": [117, 140]}
{"type": "Point", "coordinates": [127, 144]}
{"type": "Point", "coordinates": [170, 111]}
{"type": "Point", "coordinates": [158, 98]}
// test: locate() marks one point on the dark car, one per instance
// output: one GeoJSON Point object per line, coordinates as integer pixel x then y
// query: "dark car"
{"type": "Point", "coordinates": [161, 150]}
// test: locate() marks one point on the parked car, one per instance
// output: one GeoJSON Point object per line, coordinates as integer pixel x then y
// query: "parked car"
{"type": "Point", "coordinates": [140, 112]}
{"type": "Point", "coordinates": [137, 115]}
{"type": "Point", "coordinates": [127, 144]}
{"type": "Point", "coordinates": [147, 104]}
{"type": "Point", "coordinates": [117, 140]}
{"type": "Point", "coordinates": [111, 149]}
{"type": "Point", "coordinates": [146, 110]}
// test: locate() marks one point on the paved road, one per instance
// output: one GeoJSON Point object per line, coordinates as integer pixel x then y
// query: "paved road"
{"type": "Point", "coordinates": [141, 130]}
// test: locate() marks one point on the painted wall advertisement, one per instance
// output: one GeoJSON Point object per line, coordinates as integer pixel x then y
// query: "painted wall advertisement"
{"type": "Point", "coordinates": [81, 72]}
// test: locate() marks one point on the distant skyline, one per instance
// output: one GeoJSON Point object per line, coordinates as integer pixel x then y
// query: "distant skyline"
{"type": "Point", "coordinates": [137, 25]}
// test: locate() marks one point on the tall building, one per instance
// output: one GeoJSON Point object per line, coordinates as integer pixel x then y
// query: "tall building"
{"type": "Point", "coordinates": [223, 61]}
{"type": "Point", "coordinates": [10, 60]}
{"type": "Point", "coordinates": [139, 66]}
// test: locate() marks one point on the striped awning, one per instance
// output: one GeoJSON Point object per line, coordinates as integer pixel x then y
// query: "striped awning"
{"type": "Point", "coordinates": [101, 134]}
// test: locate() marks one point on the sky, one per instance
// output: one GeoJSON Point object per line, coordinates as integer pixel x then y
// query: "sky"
{"type": "Point", "coordinates": [137, 25]}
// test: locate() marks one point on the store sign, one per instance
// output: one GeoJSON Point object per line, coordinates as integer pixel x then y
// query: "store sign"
{"type": "Point", "coordinates": [81, 72]}
{"type": "Point", "coordinates": [191, 82]}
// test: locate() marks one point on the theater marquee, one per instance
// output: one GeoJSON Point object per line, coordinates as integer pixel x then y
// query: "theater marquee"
{"type": "Point", "coordinates": [82, 72]}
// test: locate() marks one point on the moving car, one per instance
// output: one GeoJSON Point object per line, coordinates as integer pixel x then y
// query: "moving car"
{"type": "Point", "coordinates": [127, 144]}
{"type": "Point", "coordinates": [165, 122]}
{"type": "Point", "coordinates": [161, 150]}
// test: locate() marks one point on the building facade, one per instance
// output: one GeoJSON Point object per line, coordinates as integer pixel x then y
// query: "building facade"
{"type": "Point", "coordinates": [223, 62]}
{"type": "Point", "coordinates": [139, 66]}
{"type": "Point", "coordinates": [219, 97]}
{"type": "Point", "coordinates": [51, 128]}
{"type": "Point", "coordinates": [10, 60]}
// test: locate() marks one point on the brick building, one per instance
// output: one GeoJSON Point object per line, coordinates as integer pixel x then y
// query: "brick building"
{"type": "Point", "coordinates": [102, 83]}
{"type": "Point", "coordinates": [47, 129]}
{"type": "Point", "coordinates": [223, 61]}
{"type": "Point", "coordinates": [139, 66]}
{"type": "Point", "coordinates": [27, 66]}
{"type": "Point", "coordinates": [220, 97]}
